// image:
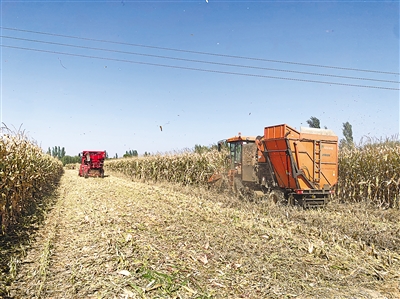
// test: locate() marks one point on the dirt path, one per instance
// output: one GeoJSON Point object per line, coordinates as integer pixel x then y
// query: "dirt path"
{"type": "Point", "coordinates": [113, 238]}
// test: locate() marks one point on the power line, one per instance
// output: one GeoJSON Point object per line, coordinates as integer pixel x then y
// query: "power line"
{"type": "Point", "coordinates": [197, 61]}
{"type": "Point", "coordinates": [202, 53]}
{"type": "Point", "coordinates": [198, 69]}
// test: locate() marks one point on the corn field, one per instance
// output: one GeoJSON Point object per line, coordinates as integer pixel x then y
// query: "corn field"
{"type": "Point", "coordinates": [26, 174]}
{"type": "Point", "coordinates": [185, 168]}
{"type": "Point", "coordinates": [367, 173]}
{"type": "Point", "coordinates": [370, 173]}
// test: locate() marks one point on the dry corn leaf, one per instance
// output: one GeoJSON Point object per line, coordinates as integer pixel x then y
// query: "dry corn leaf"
{"type": "Point", "coordinates": [203, 259]}
{"type": "Point", "coordinates": [310, 247]}
{"type": "Point", "coordinates": [189, 289]}
{"type": "Point", "coordinates": [128, 293]}
{"type": "Point", "coordinates": [128, 237]}
{"type": "Point", "coordinates": [124, 272]}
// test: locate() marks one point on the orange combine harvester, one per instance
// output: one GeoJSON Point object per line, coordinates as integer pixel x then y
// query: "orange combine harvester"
{"type": "Point", "coordinates": [299, 167]}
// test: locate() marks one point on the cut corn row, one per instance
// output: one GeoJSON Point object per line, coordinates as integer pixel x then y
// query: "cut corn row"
{"type": "Point", "coordinates": [370, 173]}
{"type": "Point", "coordinates": [186, 168]}
{"type": "Point", "coordinates": [26, 174]}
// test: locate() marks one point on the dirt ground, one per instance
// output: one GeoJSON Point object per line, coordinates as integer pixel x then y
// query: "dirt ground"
{"type": "Point", "coordinates": [114, 238]}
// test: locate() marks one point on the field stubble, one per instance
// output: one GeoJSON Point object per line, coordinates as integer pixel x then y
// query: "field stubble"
{"type": "Point", "coordinates": [115, 238]}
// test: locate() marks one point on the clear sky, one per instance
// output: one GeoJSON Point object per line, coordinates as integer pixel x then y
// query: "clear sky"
{"type": "Point", "coordinates": [108, 74]}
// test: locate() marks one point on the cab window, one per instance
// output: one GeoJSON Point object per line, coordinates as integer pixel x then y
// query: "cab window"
{"type": "Point", "coordinates": [236, 154]}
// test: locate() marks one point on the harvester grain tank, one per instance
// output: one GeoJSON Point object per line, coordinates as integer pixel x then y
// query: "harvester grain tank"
{"type": "Point", "coordinates": [92, 164]}
{"type": "Point", "coordinates": [299, 167]}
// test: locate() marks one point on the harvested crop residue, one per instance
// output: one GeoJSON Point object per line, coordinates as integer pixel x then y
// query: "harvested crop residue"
{"type": "Point", "coordinates": [114, 238]}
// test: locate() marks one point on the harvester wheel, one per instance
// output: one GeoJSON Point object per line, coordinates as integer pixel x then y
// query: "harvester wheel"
{"type": "Point", "coordinates": [276, 196]}
{"type": "Point", "coordinates": [291, 200]}
{"type": "Point", "coordinates": [86, 174]}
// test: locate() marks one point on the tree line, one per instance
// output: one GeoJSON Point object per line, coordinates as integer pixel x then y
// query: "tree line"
{"type": "Point", "coordinates": [60, 153]}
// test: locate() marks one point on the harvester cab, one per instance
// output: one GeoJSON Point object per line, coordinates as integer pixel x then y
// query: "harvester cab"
{"type": "Point", "coordinates": [92, 164]}
{"type": "Point", "coordinates": [241, 163]}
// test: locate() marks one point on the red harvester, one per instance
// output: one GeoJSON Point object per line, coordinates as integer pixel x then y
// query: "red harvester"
{"type": "Point", "coordinates": [92, 164]}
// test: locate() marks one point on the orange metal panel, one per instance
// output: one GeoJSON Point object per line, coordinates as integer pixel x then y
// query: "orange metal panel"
{"type": "Point", "coordinates": [280, 131]}
{"type": "Point", "coordinates": [281, 163]}
{"type": "Point", "coordinates": [241, 138]}
{"type": "Point", "coordinates": [316, 159]}
{"type": "Point", "coordinates": [302, 160]}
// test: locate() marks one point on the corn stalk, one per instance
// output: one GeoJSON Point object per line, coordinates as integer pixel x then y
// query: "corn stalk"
{"type": "Point", "coordinates": [185, 168]}
{"type": "Point", "coordinates": [370, 173]}
{"type": "Point", "coordinates": [26, 174]}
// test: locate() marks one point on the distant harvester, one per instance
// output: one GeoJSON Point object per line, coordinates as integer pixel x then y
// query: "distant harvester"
{"type": "Point", "coordinates": [92, 164]}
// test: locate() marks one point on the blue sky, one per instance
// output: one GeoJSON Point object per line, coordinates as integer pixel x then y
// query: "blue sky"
{"type": "Point", "coordinates": [83, 97]}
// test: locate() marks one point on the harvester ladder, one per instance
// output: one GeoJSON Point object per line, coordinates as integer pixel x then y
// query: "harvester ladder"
{"type": "Point", "coordinates": [317, 161]}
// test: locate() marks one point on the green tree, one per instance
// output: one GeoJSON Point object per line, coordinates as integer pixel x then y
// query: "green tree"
{"type": "Point", "coordinates": [347, 131]}
{"type": "Point", "coordinates": [62, 153]}
{"type": "Point", "coordinates": [57, 152]}
{"type": "Point", "coordinates": [131, 153]}
{"type": "Point", "coordinates": [70, 159]}
{"type": "Point", "coordinates": [314, 122]}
